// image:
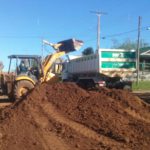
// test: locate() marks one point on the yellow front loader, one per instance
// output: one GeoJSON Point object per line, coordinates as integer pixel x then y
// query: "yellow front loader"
{"type": "Point", "coordinates": [25, 71]}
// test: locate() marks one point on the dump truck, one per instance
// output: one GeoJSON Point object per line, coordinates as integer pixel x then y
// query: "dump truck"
{"type": "Point", "coordinates": [25, 71]}
{"type": "Point", "coordinates": [112, 68]}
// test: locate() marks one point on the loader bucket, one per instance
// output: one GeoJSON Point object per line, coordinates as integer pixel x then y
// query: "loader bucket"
{"type": "Point", "coordinates": [70, 45]}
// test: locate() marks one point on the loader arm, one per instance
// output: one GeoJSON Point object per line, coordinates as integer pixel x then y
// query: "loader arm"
{"type": "Point", "coordinates": [61, 48]}
{"type": "Point", "coordinates": [47, 65]}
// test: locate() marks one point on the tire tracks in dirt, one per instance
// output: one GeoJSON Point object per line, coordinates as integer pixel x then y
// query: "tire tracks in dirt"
{"type": "Point", "coordinates": [136, 115]}
{"type": "Point", "coordinates": [53, 113]}
{"type": "Point", "coordinates": [48, 139]}
{"type": "Point", "coordinates": [130, 111]}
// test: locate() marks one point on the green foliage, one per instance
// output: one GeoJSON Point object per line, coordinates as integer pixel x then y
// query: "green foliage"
{"type": "Point", "coordinates": [143, 85]}
{"type": "Point", "coordinates": [128, 44]}
{"type": "Point", "coordinates": [145, 48]}
{"type": "Point", "coordinates": [88, 51]}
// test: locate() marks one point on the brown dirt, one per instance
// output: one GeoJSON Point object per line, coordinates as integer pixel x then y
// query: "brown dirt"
{"type": "Point", "coordinates": [144, 95]}
{"type": "Point", "coordinates": [65, 117]}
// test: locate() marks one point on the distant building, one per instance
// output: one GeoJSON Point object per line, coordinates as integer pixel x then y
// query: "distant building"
{"type": "Point", "coordinates": [145, 58]}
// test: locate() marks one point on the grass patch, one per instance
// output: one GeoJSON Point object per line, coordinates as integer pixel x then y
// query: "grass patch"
{"type": "Point", "coordinates": [143, 85]}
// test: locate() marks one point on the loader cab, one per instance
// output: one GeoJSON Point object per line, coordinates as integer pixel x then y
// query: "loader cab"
{"type": "Point", "coordinates": [29, 65]}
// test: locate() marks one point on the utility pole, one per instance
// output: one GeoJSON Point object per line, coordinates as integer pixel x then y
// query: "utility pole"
{"type": "Point", "coordinates": [138, 48]}
{"type": "Point", "coordinates": [98, 27]}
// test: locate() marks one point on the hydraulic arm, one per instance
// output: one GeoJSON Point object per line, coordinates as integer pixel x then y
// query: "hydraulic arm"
{"type": "Point", "coordinates": [61, 49]}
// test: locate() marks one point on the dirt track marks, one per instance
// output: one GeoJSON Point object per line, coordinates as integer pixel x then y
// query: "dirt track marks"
{"type": "Point", "coordinates": [136, 115]}
{"type": "Point", "coordinates": [49, 140]}
{"type": "Point", "coordinates": [130, 110]}
{"type": "Point", "coordinates": [52, 112]}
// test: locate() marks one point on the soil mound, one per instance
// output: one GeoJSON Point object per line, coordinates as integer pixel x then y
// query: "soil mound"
{"type": "Point", "coordinates": [64, 116]}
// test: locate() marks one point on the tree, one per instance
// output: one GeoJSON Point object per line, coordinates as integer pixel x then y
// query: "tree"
{"type": "Point", "coordinates": [88, 51]}
{"type": "Point", "coordinates": [128, 44]}
{"type": "Point", "coordinates": [1, 66]}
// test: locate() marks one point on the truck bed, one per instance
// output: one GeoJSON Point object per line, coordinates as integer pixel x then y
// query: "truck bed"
{"type": "Point", "coordinates": [110, 62]}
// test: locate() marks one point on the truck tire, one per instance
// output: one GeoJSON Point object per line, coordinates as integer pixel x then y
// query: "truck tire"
{"type": "Point", "coordinates": [127, 88]}
{"type": "Point", "coordinates": [86, 83]}
{"type": "Point", "coordinates": [22, 88]}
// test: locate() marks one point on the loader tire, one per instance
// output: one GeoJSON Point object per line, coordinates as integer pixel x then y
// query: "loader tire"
{"type": "Point", "coordinates": [22, 88]}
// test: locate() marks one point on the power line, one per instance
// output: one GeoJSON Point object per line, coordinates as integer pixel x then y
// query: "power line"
{"type": "Point", "coordinates": [126, 32]}
{"type": "Point", "coordinates": [103, 37]}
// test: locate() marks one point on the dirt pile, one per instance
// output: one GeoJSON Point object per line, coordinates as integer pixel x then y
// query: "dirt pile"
{"type": "Point", "coordinates": [66, 117]}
